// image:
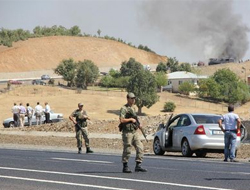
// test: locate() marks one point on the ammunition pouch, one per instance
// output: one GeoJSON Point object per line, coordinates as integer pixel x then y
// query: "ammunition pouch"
{"type": "Point", "coordinates": [130, 127]}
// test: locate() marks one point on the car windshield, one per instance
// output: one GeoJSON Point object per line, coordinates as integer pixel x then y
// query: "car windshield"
{"type": "Point", "coordinates": [200, 119]}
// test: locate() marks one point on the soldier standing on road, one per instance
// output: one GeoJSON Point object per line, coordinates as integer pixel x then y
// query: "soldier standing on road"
{"type": "Point", "coordinates": [30, 112]}
{"type": "Point", "coordinates": [130, 137]}
{"type": "Point", "coordinates": [232, 124]}
{"type": "Point", "coordinates": [81, 129]}
{"type": "Point", "coordinates": [15, 110]}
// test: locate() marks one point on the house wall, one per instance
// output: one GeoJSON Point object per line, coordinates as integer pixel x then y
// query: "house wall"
{"type": "Point", "coordinates": [176, 83]}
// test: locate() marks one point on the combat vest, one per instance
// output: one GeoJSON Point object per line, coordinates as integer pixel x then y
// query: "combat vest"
{"type": "Point", "coordinates": [79, 115]}
{"type": "Point", "coordinates": [130, 112]}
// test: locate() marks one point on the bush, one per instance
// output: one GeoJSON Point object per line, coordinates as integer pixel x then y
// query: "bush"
{"type": "Point", "coordinates": [169, 107]}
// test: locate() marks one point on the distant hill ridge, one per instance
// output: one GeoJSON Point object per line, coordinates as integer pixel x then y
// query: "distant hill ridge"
{"type": "Point", "coordinates": [47, 52]}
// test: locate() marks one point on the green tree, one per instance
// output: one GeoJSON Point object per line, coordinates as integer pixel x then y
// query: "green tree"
{"type": "Point", "coordinates": [143, 85]}
{"type": "Point", "coordinates": [185, 67]}
{"type": "Point", "coordinates": [99, 32]}
{"type": "Point", "coordinates": [186, 88]}
{"type": "Point", "coordinates": [87, 73]}
{"type": "Point", "coordinates": [161, 67]}
{"type": "Point", "coordinates": [114, 73]}
{"type": "Point", "coordinates": [67, 69]}
{"type": "Point", "coordinates": [208, 88]}
{"type": "Point", "coordinates": [161, 79]}
{"type": "Point", "coordinates": [228, 82]}
{"type": "Point", "coordinates": [75, 31]}
{"type": "Point", "coordinates": [173, 64]}
{"type": "Point", "coordinates": [131, 67]}
{"type": "Point", "coordinates": [106, 81]}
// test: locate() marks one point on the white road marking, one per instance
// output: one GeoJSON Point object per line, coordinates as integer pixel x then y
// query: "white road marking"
{"type": "Point", "coordinates": [62, 182]}
{"type": "Point", "coordinates": [79, 160]}
{"type": "Point", "coordinates": [115, 178]}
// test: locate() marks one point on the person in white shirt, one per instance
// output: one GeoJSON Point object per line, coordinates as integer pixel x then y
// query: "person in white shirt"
{"type": "Point", "coordinates": [15, 111]}
{"type": "Point", "coordinates": [38, 113]}
{"type": "Point", "coordinates": [22, 112]}
{"type": "Point", "coordinates": [47, 112]}
{"type": "Point", "coordinates": [30, 112]}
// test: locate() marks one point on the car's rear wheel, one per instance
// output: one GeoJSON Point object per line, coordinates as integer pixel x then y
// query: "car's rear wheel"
{"type": "Point", "coordinates": [157, 147]}
{"type": "Point", "coordinates": [185, 149]}
{"type": "Point", "coordinates": [11, 124]}
{"type": "Point", "coordinates": [201, 153]}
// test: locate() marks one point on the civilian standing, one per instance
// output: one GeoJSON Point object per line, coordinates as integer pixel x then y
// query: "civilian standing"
{"type": "Point", "coordinates": [30, 112]}
{"type": "Point", "coordinates": [15, 110]}
{"type": "Point", "coordinates": [47, 112]}
{"type": "Point", "coordinates": [22, 114]}
{"type": "Point", "coordinates": [38, 113]}
{"type": "Point", "coordinates": [232, 124]}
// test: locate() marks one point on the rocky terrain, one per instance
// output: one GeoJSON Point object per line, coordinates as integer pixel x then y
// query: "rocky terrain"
{"type": "Point", "coordinates": [102, 127]}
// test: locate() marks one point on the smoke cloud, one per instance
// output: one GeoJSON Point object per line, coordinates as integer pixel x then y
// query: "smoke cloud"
{"type": "Point", "coordinates": [203, 28]}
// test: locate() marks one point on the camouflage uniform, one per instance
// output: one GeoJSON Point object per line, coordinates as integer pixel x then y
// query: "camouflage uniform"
{"type": "Point", "coordinates": [83, 132]}
{"type": "Point", "coordinates": [130, 137]}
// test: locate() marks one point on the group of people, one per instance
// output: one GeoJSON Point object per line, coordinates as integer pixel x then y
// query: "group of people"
{"type": "Point", "coordinates": [130, 137]}
{"type": "Point", "coordinates": [20, 111]}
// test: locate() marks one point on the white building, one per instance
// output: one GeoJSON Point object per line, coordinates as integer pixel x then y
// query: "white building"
{"type": "Point", "coordinates": [178, 77]}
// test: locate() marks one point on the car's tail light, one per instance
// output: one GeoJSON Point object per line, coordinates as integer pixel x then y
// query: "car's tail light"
{"type": "Point", "coordinates": [238, 133]}
{"type": "Point", "coordinates": [200, 130]}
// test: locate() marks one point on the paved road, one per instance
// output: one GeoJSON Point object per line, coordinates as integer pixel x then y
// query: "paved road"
{"type": "Point", "coordinates": [50, 170]}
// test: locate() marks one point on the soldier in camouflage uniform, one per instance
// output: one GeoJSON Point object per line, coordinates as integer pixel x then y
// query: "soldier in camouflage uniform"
{"type": "Point", "coordinates": [80, 123]}
{"type": "Point", "coordinates": [130, 137]}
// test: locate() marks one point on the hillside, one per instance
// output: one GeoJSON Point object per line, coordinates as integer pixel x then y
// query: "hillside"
{"type": "Point", "coordinates": [47, 52]}
{"type": "Point", "coordinates": [237, 68]}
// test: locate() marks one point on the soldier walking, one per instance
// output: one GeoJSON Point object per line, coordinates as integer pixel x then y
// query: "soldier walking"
{"type": "Point", "coordinates": [130, 137]}
{"type": "Point", "coordinates": [80, 123]}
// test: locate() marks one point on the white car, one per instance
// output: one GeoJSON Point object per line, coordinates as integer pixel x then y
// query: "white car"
{"type": "Point", "coordinates": [193, 133]}
{"type": "Point", "coordinates": [54, 117]}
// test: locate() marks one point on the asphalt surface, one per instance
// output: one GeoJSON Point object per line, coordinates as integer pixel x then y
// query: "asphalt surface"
{"type": "Point", "coordinates": [32, 169]}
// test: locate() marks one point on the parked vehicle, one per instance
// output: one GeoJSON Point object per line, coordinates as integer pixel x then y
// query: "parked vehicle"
{"type": "Point", "coordinates": [54, 118]}
{"type": "Point", "coordinates": [38, 81]}
{"type": "Point", "coordinates": [45, 77]}
{"type": "Point", "coordinates": [190, 133]}
{"type": "Point", "coordinates": [17, 82]}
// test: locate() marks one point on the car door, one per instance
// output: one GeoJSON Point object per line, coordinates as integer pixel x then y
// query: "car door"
{"type": "Point", "coordinates": [169, 130]}
{"type": "Point", "coordinates": [180, 130]}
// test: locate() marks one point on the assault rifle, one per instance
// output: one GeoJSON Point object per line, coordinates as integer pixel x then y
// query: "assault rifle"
{"type": "Point", "coordinates": [78, 127]}
{"type": "Point", "coordinates": [138, 126]}
{"type": "Point", "coordinates": [137, 123]}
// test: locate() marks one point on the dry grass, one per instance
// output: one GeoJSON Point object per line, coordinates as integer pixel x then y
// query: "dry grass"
{"type": "Point", "coordinates": [100, 104]}
{"type": "Point", "coordinates": [47, 52]}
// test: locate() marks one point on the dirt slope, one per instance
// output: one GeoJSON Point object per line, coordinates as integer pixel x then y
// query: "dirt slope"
{"type": "Point", "coordinates": [47, 52]}
{"type": "Point", "coordinates": [240, 69]}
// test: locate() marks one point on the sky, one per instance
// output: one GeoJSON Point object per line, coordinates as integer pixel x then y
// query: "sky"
{"type": "Point", "coordinates": [190, 30]}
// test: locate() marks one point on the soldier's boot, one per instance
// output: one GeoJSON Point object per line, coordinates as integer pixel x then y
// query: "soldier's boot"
{"type": "Point", "coordinates": [126, 168]}
{"type": "Point", "coordinates": [88, 150]}
{"type": "Point", "coordinates": [79, 150]}
{"type": "Point", "coordinates": [138, 168]}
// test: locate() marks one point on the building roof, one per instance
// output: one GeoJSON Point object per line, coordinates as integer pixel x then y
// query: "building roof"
{"type": "Point", "coordinates": [184, 75]}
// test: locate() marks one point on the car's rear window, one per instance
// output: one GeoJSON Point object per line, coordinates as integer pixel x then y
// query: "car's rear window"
{"type": "Point", "coordinates": [200, 119]}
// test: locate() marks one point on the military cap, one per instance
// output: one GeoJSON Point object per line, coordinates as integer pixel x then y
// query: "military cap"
{"type": "Point", "coordinates": [130, 95]}
{"type": "Point", "coordinates": [80, 104]}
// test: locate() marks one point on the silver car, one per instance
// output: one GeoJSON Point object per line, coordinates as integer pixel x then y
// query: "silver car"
{"type": "Point", "coordinates": [192, 133]}
{"type": "Point", "coordinates": [54, 117]}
